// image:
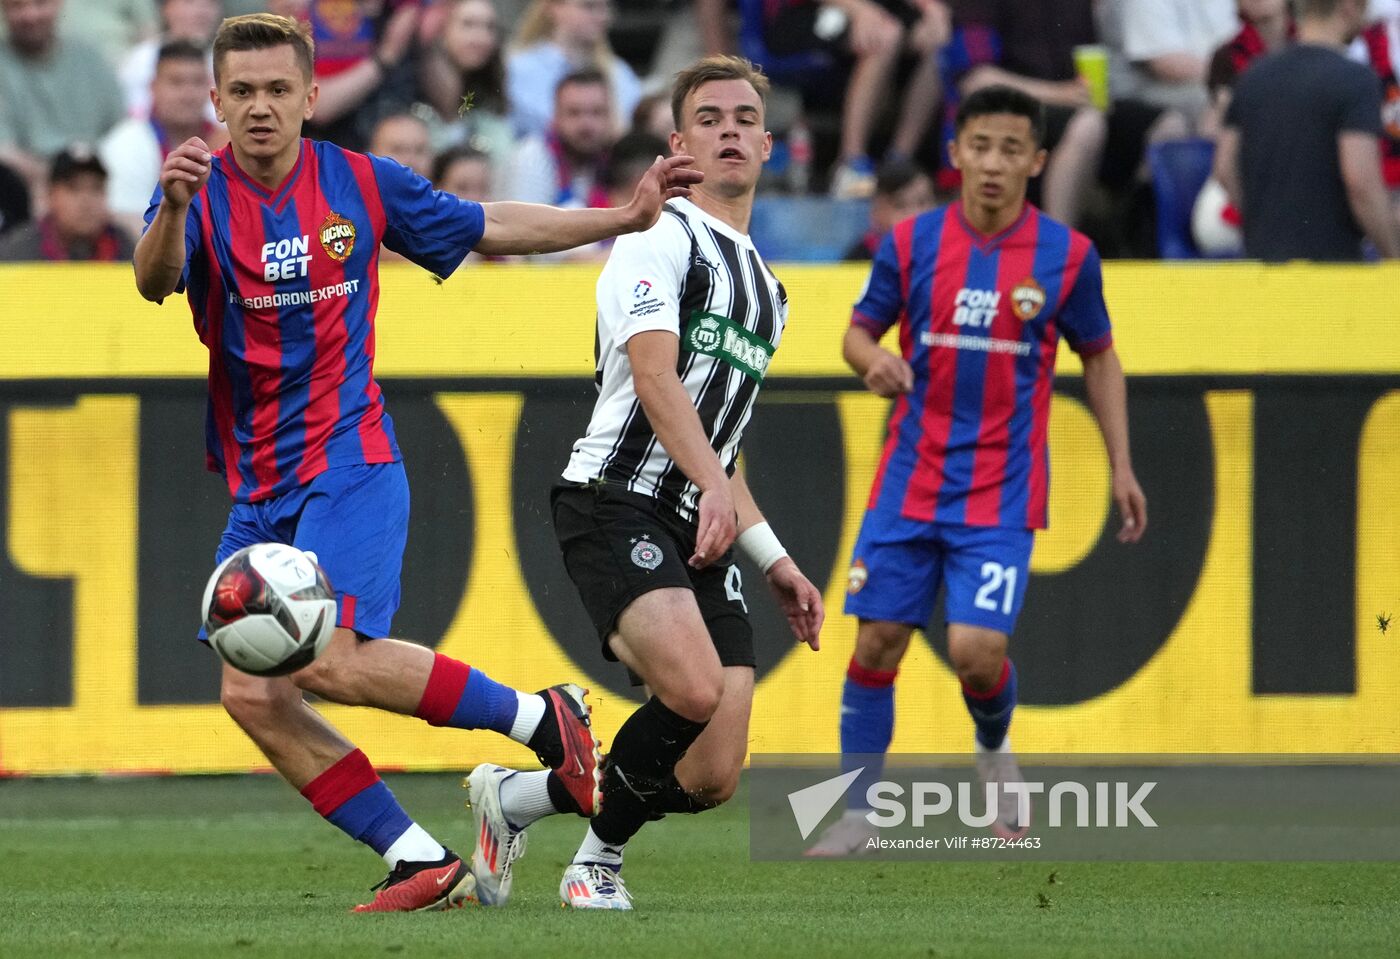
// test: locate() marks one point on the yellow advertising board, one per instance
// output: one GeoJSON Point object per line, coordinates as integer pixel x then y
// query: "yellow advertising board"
{"type": "Point", "coordinates": [79, 350]}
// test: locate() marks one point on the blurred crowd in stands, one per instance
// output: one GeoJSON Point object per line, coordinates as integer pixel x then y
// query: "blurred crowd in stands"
{"type": "Point", "coordinates": [1178, 128]}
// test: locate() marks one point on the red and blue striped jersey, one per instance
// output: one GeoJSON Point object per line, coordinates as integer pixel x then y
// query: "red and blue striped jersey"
{"type": "Point", "coordinates": [979, 321]}
{"type": "Point", "coordinates": [284, 287]}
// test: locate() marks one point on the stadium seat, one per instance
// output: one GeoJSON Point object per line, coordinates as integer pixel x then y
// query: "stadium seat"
{"type": "Point", "coordinates": [810, 228]}
{"type": "Point", "coordinates": [1179, 169]}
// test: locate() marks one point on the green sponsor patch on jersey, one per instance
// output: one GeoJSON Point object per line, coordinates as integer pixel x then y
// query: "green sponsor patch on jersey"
{"type": "Point", "coordinates": [715, 335]}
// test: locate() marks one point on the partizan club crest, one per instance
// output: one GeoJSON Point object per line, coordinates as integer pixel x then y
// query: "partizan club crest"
{"type": "Point", "coordinates": [1028, 299]}
{"type": "Point", "coordinates": [338, 237]}
{"type": "Point", "coordinates": [646, 554]}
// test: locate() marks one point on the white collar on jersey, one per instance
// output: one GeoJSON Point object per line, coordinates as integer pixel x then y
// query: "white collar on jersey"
{"type": "Point", "coordinates": [690, 209]}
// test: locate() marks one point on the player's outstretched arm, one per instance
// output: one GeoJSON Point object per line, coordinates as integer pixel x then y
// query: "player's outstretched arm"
{"type": "Point", "coordinates": [1107, 393]}
{"type": "Point", "coordinates": [160, 255]}
{"type": "Point", "coordinates": [884, 373]}
{"type": "Point", "coordinates": [525, 228]}
{"type": "Point", "coordinates": [800, 601]}
{"type": "Point", "coordinates": [671, 412]}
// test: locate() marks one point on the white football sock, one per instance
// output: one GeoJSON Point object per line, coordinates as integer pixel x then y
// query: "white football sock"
{"type": "Point", "coordinates": [415, 845]}
{"type": "Point", "coordinates": [595, 850]}
{"type": "Point", "coordinates": [525, 798]}
{"type": "Point", "coordinates": [529, 712]}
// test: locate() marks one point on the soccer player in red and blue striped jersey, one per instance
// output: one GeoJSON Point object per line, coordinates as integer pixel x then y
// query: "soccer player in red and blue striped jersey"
{"type": "Point", "coordinates": [275, 239]}
{"type": "Point", "coordinates": [982, 291]}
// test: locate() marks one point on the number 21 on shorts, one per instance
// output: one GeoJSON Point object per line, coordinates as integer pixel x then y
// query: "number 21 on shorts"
{"type": "Point", "coordinates": [997, 578]}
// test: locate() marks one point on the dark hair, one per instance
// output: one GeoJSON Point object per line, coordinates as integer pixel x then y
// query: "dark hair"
{"type": "Point", "coordinates": [989, 101]}
{"type": "Point", "coordinates": [263, 31]}
{"type": "Point", "coordinates": [709, 69]}
{"type": "Point", "coordinates": [630, 158]}
{"type": "Point", "coordinates": [486, 85]}
{"type": "Point", "coordinates": [445, 160]}
{"type": "Point", "coordinates": [586, 77]}
{"type": "Point", "coordinates": [895, 175]}
{"type": "Point", "coordinates": [645, 105]}
{"type": "Point", "coordinates": [180, 50]}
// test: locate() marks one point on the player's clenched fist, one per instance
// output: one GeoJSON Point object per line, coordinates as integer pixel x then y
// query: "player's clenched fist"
{"type": "Point", "coordinates": [185, 171]}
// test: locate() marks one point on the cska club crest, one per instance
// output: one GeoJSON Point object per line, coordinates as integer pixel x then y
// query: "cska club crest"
{"type": "Point", "coordinates": [337, 237]}
{"type": "Point", "coordinates": [1028, 299]}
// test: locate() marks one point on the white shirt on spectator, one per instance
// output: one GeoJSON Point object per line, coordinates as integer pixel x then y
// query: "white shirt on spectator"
{"type": "Point", "coordinates": [132, 155]}
{"type": "Point", "coordinates": [534, 72]}
{"type": "Point", "coordinates": [1154, 28]}
{"type": "Point", "coordinates": [136, 72]}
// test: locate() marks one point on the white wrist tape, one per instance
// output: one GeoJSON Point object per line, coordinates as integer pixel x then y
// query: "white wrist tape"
{"type": "Point", "coordinates": [761, 545]}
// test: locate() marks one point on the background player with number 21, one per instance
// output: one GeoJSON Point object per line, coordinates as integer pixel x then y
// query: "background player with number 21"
{"type": "Point", "coordinates": [276, 239]}
{"type": "Point", "coordinates": [982, 290]}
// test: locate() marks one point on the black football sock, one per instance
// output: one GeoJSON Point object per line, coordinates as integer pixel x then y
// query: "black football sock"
{"type": "Point", "coordinates": [638, 783]}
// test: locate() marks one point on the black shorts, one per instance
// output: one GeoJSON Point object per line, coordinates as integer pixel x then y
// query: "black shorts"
{"type": "Point", "coordinates": [618, 545]}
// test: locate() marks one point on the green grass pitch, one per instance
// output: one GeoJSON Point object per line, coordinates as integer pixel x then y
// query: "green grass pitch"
{"type": "Point", "coordinates": [237, 866]}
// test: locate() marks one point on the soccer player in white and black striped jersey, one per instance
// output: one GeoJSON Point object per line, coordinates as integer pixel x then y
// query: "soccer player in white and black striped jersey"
{"type": "Point", "coordinates": [650, 503]}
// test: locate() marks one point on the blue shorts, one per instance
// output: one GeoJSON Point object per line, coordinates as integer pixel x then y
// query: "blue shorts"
{"type": "Point", "coordinates": [355, 519]}
{"type": "Point", "coordinates": [898, 565]}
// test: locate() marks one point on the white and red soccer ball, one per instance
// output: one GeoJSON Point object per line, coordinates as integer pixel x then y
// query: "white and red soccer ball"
{"type": "Point", "coordinates": [269, 609]}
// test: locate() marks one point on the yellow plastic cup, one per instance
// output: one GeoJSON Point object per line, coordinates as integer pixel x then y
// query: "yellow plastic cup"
{"type": "Point", "coordinates": [1091, 62]}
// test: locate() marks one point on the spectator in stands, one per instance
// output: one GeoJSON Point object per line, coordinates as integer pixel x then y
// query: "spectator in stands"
{"type": "Point", "coordinates": [1379, 48]}
{"type": "Point", "coordinates": [1267, 25]}
{"type": "Point", "coordinates": [871, 36]}
{"type": "Point", "coordinates": [653, 115]}
{"type": "Point", "coordinates": [1300, 153]}
{"type": "Point", "coordinates": [111, 26]}
{"type": "Point", "coordinates": [565, 165]}
{"type": "Point", "coordinates": [1030, 45]}
{"type": "Point", "coordinates": [465, 172]}
{"type": "Point", "coordinates": [461, 80]}
{"type": "Point", "coordinates": [53, 91]}
{"type": "Point", "coordinates": [557, 38]}
{"type": "Point", "coordinates": [193, 21]}
{"type": "Point", "coordinates": [362, 64]}
{"type": "Point", "coordinates": [403, 137]}
{"type": "Point", "coordinates": [137, 147]}
{"type": "Point", "coordinates": [14, 200]}
{"type": "Point", "coordinates": [77, 225]}
{"type": "Point", "coordinates": [1160, 49]}
{"type": "Point", "coordinates": [902, 190]}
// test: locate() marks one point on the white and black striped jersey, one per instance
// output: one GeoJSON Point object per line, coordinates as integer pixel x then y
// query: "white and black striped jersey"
{"type": "Point", "coordinates": [695, 276]}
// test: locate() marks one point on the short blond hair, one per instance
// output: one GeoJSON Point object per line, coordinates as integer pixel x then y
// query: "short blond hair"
{"type": "Point", "coordinates": [709, 69]}
{"type": "Point", "coordinates": [263, 31]}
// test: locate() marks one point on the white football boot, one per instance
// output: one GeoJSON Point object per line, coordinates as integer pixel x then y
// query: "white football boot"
{"type": "Point", "coordinates": [847, 836]}
{"type": "Point", "coordinates": [999, 766]}
{"type": "Point", "coordinates": [593, 886]}
{"type": "Point", "coordinates": [498, 844]}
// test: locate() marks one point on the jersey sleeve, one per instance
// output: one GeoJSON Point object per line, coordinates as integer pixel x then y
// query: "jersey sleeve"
{"type": "Point", "coordinates": [882, 300]}
{"type": "Point", "coordinates": [434, 229]}
{"type": "Point", "coordinates": [1361, 112]}
{"type": "Point", "coordinates": [1084, 317]}
{"type": "Point", "coordinates": [193, 234]}
{"type": "Point", "coordinates": [640, 288]}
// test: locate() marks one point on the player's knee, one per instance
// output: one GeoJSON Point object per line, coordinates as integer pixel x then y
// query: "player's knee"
{"type": "Point", "coordinates": [252, 702]}
{"type": "Point", "coordinates": [877, 642]}
{"type": "Point", "coordinates": [698, 699]}
{"type": "Point", "coordinates": [978, 669]}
